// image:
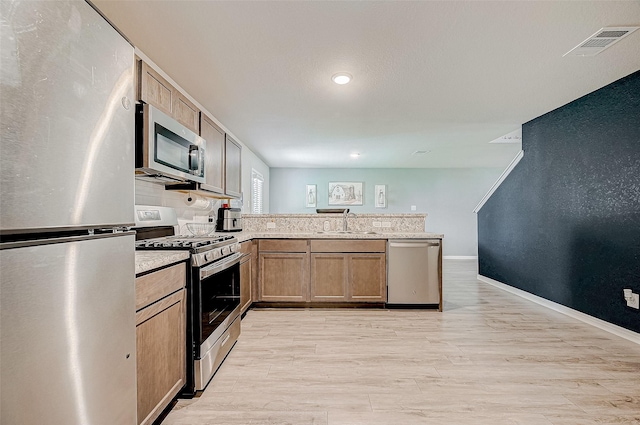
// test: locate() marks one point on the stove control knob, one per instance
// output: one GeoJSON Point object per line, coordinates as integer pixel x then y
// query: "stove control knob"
{"type": "Point", "coordinates": [208, 256]}
{"type": "Point", "coordinates": [225, 250]}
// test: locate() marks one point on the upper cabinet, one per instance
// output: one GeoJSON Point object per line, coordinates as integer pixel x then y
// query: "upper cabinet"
{"type": "Point", "coordinates": [155, 90]}
{"type": "Point", "coordinates": [214, 155]}
{"type": "Point", "coordinates": [186, 113]}
{"type": "Point", "coordinates": [232, 168]}
{"type": "Point", "coordinates": [223, 155]}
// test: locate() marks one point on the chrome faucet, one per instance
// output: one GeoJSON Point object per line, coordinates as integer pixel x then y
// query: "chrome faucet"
{"type": "Point", "coordinates": [345, 216]}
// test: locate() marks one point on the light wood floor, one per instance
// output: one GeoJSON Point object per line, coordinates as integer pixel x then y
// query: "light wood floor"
{"type": "Point", "coordinates": [489, 358]}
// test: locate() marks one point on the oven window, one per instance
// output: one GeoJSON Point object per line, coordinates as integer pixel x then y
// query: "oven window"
{"type": "Point", "coordinates": [220, 295]}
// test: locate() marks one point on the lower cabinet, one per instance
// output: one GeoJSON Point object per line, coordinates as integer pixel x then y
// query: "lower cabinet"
{"type": "Point", "coordinates": [329, 275]}
{"type": "Point", "coordinates": [160, 339]}
{"type": "Point", "coordinates": [284, 276]}
{"type": "Point", "coordinates": [321, 270]}
{"type": "Point", "coordinates": [367, 277]}
{"type": "Point", "coordinates": [355, 277]}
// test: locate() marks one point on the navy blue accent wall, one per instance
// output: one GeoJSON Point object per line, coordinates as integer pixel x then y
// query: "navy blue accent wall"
{"type": "Point", "coordinates": [565, 224]}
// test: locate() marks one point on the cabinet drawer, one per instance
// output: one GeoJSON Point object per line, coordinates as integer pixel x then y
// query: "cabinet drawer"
{"type": "Point", "coordinates": [156, 285]}
{"type": "Point", "coordinates": [333, 245]}
{"type": "Point", "coordinates": [283, 245]}
{"type": "Point", "coordinates": [245, 247]}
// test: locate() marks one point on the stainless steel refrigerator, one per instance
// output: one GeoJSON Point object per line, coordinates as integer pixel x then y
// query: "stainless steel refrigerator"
{"type": "Point", "coordinates": [67, 266]}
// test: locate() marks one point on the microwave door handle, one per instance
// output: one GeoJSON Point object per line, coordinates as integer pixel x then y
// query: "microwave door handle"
{"type": "Point", "coordinates": [194, 158]}
{"type": "Point", "coordinates": [201, 163]}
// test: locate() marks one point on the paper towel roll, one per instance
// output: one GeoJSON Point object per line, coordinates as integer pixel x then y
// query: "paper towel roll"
{"type": "Point", "coordinates": [196, 201]}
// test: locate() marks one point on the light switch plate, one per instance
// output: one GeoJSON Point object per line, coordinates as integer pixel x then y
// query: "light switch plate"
{"type": "Point", "coordinates": [634, 301]}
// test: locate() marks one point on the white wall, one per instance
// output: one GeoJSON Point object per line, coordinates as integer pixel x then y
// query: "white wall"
{"type": "Point", "coordinates": [447, 195]}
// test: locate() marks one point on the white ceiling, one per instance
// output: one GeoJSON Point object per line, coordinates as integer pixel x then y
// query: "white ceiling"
{"type": "Point", "coordinates": [442, 76]}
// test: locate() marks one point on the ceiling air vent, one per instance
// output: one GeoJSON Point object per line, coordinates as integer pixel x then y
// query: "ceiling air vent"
{"type": "Point", "coordinates": [420, 152]}
{"type": "Point", "coordinates": [603, 38]}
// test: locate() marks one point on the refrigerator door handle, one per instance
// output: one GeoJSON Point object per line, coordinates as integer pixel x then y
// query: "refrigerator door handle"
{"type": "Point", "coordinates": [63, 239]}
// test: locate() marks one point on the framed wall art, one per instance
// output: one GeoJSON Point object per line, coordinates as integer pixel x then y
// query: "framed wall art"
{"type": "Point", "coordinates": [311, 196]}
{"type": "Point", "coordinates": [345, 193]}
{"type": "Point", "coordinates": [381, 196]}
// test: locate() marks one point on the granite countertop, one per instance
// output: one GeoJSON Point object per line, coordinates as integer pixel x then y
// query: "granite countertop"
{"type": "Point", "coordinates": [246, 235]}
{"type": "Point", "coordinates": [149, 260]}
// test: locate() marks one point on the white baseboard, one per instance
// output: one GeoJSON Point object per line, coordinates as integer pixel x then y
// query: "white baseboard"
{"type": "Point", "coordinates": [459, 257]}
{"type": "Point", "coordinates": [590, 320]}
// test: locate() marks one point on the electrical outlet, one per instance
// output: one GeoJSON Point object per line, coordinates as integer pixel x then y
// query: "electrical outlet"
{"type": "Point", "coordinates": [271, 225]}
{"type": "Point", "coordinates": [413, 208]}
{"type": "Point", "coordinates": [386, 224]}
{"type": "Point", "coordinates": [632, 299]}
{"type": "Point", "coordinates": [327, 226]}
{"type": "Point", "coordinates": [377, 224]}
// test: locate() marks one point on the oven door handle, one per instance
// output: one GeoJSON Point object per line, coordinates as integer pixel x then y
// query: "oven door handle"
{"type": "Point", "coordinates": [221, 265]}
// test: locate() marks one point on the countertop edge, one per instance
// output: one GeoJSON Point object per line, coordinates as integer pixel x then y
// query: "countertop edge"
{"type": "Point", "coordinates": [245, 236]}
{"type": "Point", "coordinates": [151, 260]}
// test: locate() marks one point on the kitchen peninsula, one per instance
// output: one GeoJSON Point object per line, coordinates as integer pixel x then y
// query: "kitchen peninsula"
{"type": "Point", "coordinates": [325, 260]}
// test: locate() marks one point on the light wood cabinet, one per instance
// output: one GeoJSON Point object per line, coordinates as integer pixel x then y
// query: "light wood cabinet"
{"type": "Point", "coordinates": [154, 89]}
{"type": "Point", "coordinates": [214, 155]}
{"type": "Point", "coordinates": [232, 168]}
{"type": "Point", "coordinates": [367, 278]}
{"type": "Point", "coordinates": [348, 270]}
{"type": "Point", "coordinates": [246, 272]}
{"type": "Point", "coordinates": [157, 91]}
{"type": "Point", "coordinates": [322, 270]}
{"type": "Point", "coordinates": [186, 113]}
{"type": "Point", "coordinates": [329, 277]}
{"type": "Point", "coordinates": [160, 339]}
{"type": "Point", "coordinates": [283, 245]}
{"type": "Point", "coordinates": [284, 276]}
{"type": "Point", "coordinates": [284, 270]}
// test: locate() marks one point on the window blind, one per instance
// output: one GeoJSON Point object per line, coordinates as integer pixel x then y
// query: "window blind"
{"type": "Point", "coordinates": [257, 181]}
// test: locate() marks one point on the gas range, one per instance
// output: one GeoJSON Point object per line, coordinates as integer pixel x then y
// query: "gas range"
{"type": "Point", "coordinates": [204, 250]}
{"type": "Point", "coordinates": [213, 290]}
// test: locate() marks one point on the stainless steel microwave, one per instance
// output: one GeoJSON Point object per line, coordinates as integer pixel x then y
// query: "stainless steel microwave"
{"type": "Point", "coordinates": [165, 149]}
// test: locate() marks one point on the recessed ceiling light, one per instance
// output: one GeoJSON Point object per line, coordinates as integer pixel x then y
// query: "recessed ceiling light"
{"type": "Point", "coordinates": [341, 78]}
{"type": "Point", "coordinates": [355, 155]}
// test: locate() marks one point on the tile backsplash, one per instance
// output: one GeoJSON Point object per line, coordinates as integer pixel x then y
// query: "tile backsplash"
{"type": "Point", "coordinates": [155, 194]}
{"type": "Point", "coordinates": [290, 223]}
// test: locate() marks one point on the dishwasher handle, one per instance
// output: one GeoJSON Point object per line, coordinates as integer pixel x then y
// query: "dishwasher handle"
{"type": "Point", "coordinates": [412, 244]}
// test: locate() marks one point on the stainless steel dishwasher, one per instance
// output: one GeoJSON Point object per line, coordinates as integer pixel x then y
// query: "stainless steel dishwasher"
{"type": "Point", "coordinates": [414, 273]}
